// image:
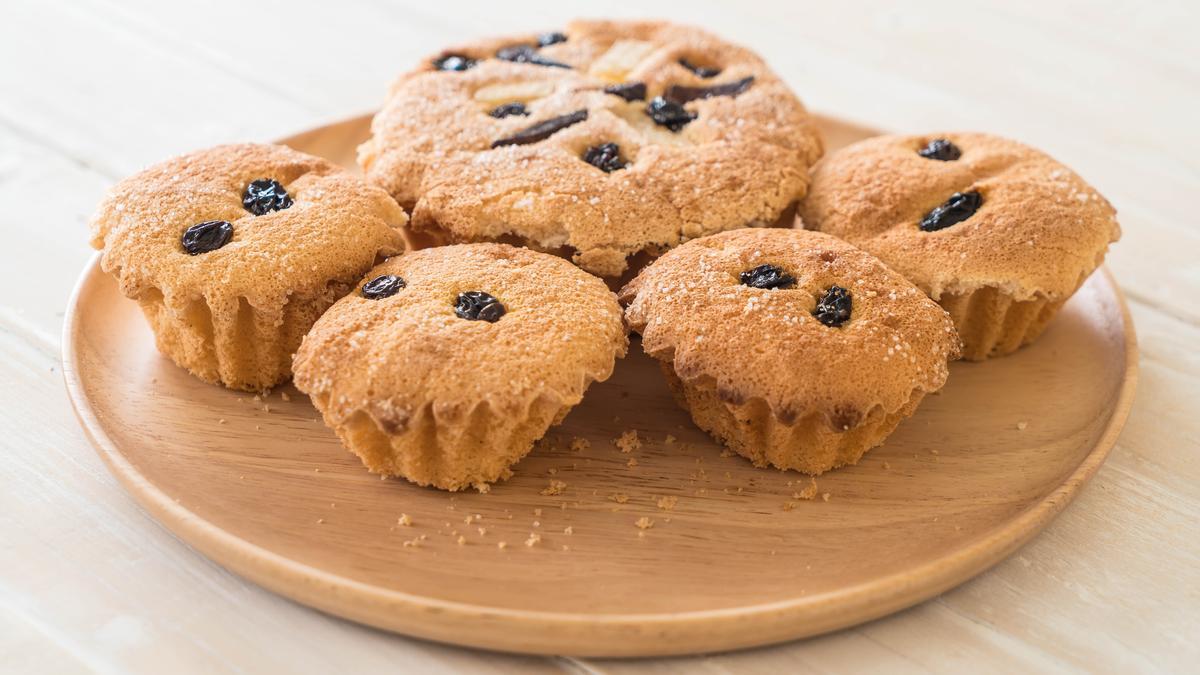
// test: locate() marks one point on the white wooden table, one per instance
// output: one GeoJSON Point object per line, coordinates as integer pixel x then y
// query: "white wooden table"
{"type": "Point", "coordinates": [92, 91]}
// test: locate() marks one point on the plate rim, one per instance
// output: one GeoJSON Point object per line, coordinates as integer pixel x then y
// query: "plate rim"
{"type": "Point", "coordinates": [604, 635]}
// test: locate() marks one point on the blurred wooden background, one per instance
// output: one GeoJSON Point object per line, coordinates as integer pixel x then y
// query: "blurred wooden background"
{"type": "Point", "coordinates": [94, 89]}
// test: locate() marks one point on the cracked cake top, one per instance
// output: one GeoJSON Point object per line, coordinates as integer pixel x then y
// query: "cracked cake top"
{"type": "Point", "coordinates": [601, 142]}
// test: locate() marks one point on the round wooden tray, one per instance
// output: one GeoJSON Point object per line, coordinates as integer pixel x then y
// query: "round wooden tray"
{"type": "Point", "coordinates": [734, 556]}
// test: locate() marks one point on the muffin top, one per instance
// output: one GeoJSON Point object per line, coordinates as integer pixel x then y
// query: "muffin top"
{"type": "Point", "coordinates": [957, 212]}
{"type": "Point", "coordinates": [604, 140]}
{"type": "Point", "coordinates": [803, 321]}
{"type": "Point", "coordinates": [260, 222]}
{"type": "Point", "coordinates": [456, 327]}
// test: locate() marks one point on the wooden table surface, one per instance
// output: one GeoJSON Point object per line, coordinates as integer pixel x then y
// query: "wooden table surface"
{"type": "Point", "coordinates": [93, 91]}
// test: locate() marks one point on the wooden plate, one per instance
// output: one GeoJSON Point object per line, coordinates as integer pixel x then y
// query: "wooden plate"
{"type": "Point", "coordinates": [263, 488]}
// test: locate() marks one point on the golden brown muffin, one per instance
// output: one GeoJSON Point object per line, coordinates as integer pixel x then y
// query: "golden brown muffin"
{"type": "Point", "coordinates": [613, 139]}
{"type": "Point", "coordinates": [448, 363]}
{"type": "Point", "coordinates": [997, 232]}
{"type": "Point", "coordinates": [235, 251]}
{"type": "Point", "coordinates": [793, 348]}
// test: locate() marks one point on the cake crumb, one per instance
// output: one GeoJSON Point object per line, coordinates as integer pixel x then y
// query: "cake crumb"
{"type": "Point", "coordinates": [533, 539]}
{"type": "Point", "coordinates": [644, 523]}
{"type": "Point", "coordinates": [537, 512]}
{"type": "Point", "coordinates": [809, 491]}
{"type": "Point", "coordinates": [404, 520]}
{"type": "Point", "coordinates": [667, 503]}
{"type": "Point", "coordinates": [1022, 425]}
{"type": "Point", "coordinates": [461, 540]}
{"type": "Point", "coordinates": [726, 452]}
{"type": "Point", "coordinates": [482, 531]}
{"type": "Point", "coordinates": [320, 520]}
{"type": "Point", "coordinates": [628, 441]}
{"type": "Point", "coordinates": [579, 444]}
{"type": "Point", "coordinates": [221, 421]}
{"type": "Point", "coordinates": [825, 497]}
{"type": "Point", "coordinates": [284, 395]}
{"type": "Point", "coordinates": [669, 439]}
{"type": "Point", "coordinates": [619, 497]}
{"type": "Point", "coordinates": [502, 544]}
{"type": "Point", "coordinates": [556, 487]}
{"type": "Point", "coordinates": [632, 462]}
{"type": "Point", "coordinates": [788, 506]}
{"type": "Point", "coordinates": [886, 466]}
{"type": "Point", "coordinates": [569, 529]}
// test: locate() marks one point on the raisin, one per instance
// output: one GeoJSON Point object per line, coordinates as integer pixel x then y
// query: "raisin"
{"type": "Point", "coordinates": [382, 286]}
{"type": "Point", "coordinates": [681, 94]}
{"type": "Point", "coordinates": [265, 195]}
{"type": "Point", "coordinates": [542, 130]}
{"type": "Point", "coordinates": [527, 54]}
{"type": "Point", "coordinates": [834, 307]}
{"type": "Point", "coordinates": [959, 207]}
{"type": "Point", "coordinates": [767, 276]}
{"type": "Point", "coordinates": [547, 39]}
{"type": "Point", "coordinates": [940, 149]}
{"type": "Point", "coordinates": [702, 71]}
{"type": "Point", "coordinates": [630, 91]}
{"type": "Point", "coordinates": [478, 306]}
{"type": "Point", "coordinates": [606, 157]}
{"type": "Point", "coordinates": [506, 109]}
{"type": "Point", "coordinates": [207, 236]}
{"type": "Point", "coordinates": [668, 113]}
{"type": "Point", "coordinates": [454, 62]}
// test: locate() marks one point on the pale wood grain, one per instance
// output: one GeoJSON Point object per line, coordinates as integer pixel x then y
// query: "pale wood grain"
{"type": "Point", "coordinates": [93, 90]}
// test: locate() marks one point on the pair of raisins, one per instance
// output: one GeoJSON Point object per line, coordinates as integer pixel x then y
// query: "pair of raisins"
{"type": "Point", "coordinates": [261, 197]}
{"type": "Point", "coordinates": [833, 308]}
{"type": "Point", "coordinates": [470, 305]}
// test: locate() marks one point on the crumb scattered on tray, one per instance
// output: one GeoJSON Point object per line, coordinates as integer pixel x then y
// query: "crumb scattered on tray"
{"type": "Point", "coordinates": [534, 539]}
{"type": "Point", "coordinates": [644, 523]}
{"type": "Point", "coordinates": [825, 497]}
{"type": "Point", "coordinates": [808, 491]}
{"type": "Point", "coordinates": [669, 439]}
{"type": "Point", "coordinates": [619, 497]}
{"type": "Point", "coordinates": [404, 520]}
{"type": "Point", "coordinates": [667, 503]}
{"type": "Point", "coordinates": [556, 487]}
{"type": "Point", "coordinates": [632, 462]}
{"type": "Point", "coordinates": [502, 544]}
{"type": "Point", "coordinates": [461, 540]}
{"type": "Point", "coordinates": [628, 441]}
{"type": "Point", "coordinates": [569, 530]}
{"type": "Point", "coordinates": [284, 395]}
{"type": "Point", "coordinates": [1021, 426]}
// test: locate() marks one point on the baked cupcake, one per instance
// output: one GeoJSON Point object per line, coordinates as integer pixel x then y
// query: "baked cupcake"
{"type": "Point", "coordinates": [997, 232]}
{"type": "Point", "coordinates": [599, 143]}
{"type": "Point", "coordinates": [234, 252]}
{"type": "Point", "coordinates": [448, 363]}
{"type": "Point", "coordinates": [793, 348]}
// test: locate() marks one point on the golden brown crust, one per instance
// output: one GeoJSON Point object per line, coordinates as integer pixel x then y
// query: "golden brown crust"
{"type": "Point", "coordinates": [1040, 231]}
{"type": "Point", "coordinates": [742, 162]}
{"type": "Point", "coordinates": [235, 314]}
{"type": "Point", "coordinates": [417, 391]}
{"type": "Point", "coordinates": [764, 345]}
